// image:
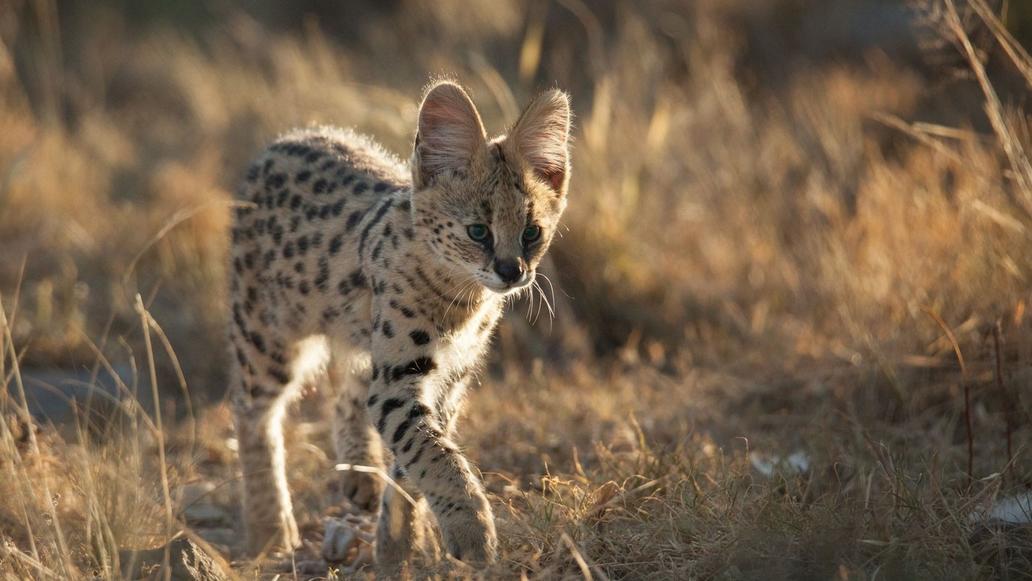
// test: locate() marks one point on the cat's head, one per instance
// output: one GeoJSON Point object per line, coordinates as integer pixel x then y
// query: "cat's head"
{"type": "Point", "coordinates": [490, 207]}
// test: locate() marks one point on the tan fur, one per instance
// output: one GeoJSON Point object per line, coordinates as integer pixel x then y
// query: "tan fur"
{"type": "Point", "coordinates": [344, 266]}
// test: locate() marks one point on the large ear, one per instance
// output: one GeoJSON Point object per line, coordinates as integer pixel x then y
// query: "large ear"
{"type": "Point", "coordinates": [449, 135]}
{"type": "Point", "coordinates": [542, 135]}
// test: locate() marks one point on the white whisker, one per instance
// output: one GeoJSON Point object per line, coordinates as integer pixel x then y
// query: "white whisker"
{"type": "Point", "coordinates": [531, 314]}
{"type": "Point", "coordinates": [551, 291]}
{"type": "Point", "coordinates": [544, 299]}
{"type": "Point", "coordinates": [465, 285]}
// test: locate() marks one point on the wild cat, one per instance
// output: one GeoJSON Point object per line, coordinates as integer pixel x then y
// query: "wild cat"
{"type": "Point", "coordinates": [392, 279]}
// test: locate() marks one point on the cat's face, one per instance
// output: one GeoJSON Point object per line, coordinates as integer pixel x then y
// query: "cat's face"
{"type": "Point", "coordinates": [490, 209]}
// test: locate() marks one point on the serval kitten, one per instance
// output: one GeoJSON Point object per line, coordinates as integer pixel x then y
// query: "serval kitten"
{"type": "Point", "coordinates": [391, 280]}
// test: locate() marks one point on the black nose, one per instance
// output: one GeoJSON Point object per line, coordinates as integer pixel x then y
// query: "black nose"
{"type": "Point", "coordinates": [509, 270]}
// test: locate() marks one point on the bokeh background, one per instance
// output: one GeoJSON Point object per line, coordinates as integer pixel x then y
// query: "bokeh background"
{"type": "Point", "coordinates": [787, 220]}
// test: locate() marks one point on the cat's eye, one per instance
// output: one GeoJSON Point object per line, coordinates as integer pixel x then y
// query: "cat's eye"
{"type": "Point", "coordinates": [478, 232]}
{"type": "Point", "coordinates": [531, 233]}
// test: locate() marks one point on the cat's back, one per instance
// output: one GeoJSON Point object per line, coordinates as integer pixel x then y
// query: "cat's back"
{"type": "Point", "coordinates": [296, 233]}
{"type": "Point", "coordinates": [312, 182]}
{"type": "Point", "coordinates": [319, 164]}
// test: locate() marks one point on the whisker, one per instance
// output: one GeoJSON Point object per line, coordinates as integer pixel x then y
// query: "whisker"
{"type": "Point", "coordinates": [530, 305]}
{"type": "Point", "coordinates": [543, 301]}
{"type": "Point", "coordinates": [465, 285]}
{"type": "Point", "coordinates": [537, 287]}
{"type": "Point", "coordinates": [551, 291]}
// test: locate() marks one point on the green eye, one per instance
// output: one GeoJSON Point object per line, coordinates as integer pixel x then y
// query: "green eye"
{"type": "Point", "coordinates": [478, 232]}
{"type": "Point", "coordinates": [531, 233]}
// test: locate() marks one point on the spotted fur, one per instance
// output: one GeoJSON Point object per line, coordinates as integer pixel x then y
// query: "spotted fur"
{"type": "Point", "coordinates": [349, 263]}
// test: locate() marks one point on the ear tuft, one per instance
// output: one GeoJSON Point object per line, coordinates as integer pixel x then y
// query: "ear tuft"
{"type": "Point", "coordinates": [449, 132]}
{"type": "Point", "coordinates": [542, 136]}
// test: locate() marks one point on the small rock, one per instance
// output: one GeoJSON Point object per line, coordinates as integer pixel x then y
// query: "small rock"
{"type": "Point", "coordinates": [1016, 510]}
{"type": "Point", "coordinates": [797, 462]}
{"type": "Point", "coordinates": [349, 540]}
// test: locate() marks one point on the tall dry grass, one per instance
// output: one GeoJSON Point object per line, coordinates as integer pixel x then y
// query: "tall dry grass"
{"type": "Point", "coordinates": [752, 266]}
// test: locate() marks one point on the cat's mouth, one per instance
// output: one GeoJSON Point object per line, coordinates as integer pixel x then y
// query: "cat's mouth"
{"type": "Point", "coordinates": [504, 288]}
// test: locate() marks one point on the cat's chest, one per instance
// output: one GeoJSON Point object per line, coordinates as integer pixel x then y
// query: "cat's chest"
{"type": "Point", "coordinates": [465, 346]}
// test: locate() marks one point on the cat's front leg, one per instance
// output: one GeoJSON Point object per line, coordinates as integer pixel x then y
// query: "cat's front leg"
{"type": "Point", "coordinates": [399, 406]}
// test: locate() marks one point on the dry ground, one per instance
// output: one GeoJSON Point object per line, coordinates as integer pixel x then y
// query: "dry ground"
{"type": "Point", "coordinates": [824, 260]}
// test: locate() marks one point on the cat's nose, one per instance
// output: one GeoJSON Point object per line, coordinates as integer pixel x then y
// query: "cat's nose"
{"type": "Point", "coordinates": [509, 270]}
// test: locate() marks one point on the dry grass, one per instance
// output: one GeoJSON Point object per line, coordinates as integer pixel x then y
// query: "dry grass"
{"type": "Point", "coordinates": [751, 268]}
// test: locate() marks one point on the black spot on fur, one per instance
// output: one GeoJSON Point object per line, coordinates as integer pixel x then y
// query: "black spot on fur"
{"type": "Point", "coordinates": [388, 329]}
{"type": "Point", "coordinates": [420, 337]}
{"type": "Point", "coordinates": [258, 341]}
{"type": "Point", "coordinates": [279, 375]}
{"type": "Point", "coordinates": [358, 279]}
{"type": "Point", "coordinates": [353, 219]}
{"type": "Point", "coordinates": [384, 207]}
{"type": "Point", "coordinates": [418, 366]}
{"type": "Point", "coordinates": [389, 405]}
{"type": "Point", "coordinates": [275, 181]}
{"type": "Point", "coordinates": [323, 277]}
{"type": "Point", "coordinates": [401, 430]}
{"type": "Point", "coordinates": [419, 454]}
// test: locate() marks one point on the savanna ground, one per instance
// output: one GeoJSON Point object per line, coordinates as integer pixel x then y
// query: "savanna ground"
{"type": "Point", "coordinates": [791, 336]}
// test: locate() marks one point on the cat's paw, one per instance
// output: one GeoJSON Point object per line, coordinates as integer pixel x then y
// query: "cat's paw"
{"type": "Point", "coordinates": [469, 535]}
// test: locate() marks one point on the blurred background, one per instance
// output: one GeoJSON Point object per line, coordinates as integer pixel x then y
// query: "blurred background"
{"type": "Point", "coordinates": [753, 179]}
{"type": "Point", "coordinates": [810, 207]}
